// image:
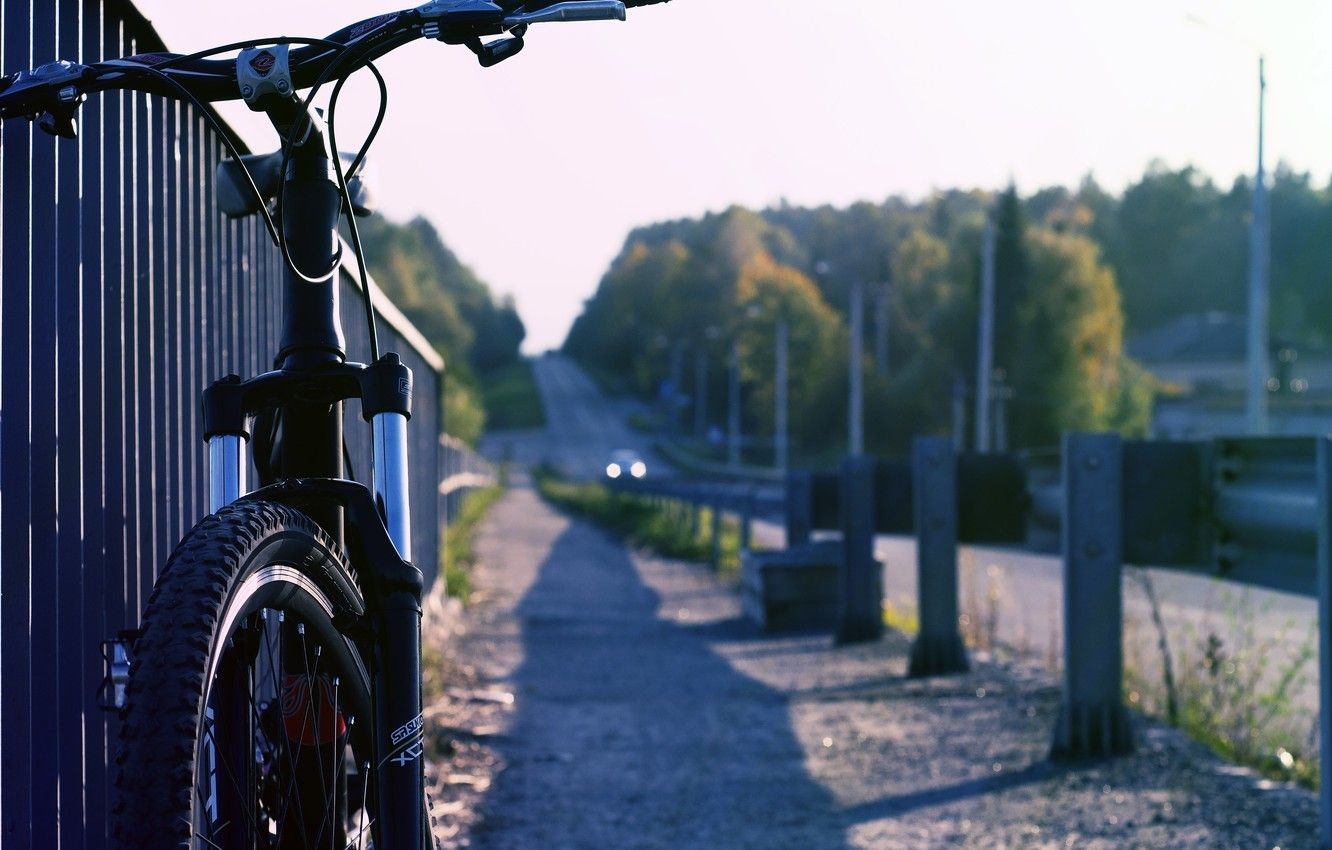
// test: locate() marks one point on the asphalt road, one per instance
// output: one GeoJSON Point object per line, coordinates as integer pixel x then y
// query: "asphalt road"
{"type": "Point", "coordinates": [583, 427]}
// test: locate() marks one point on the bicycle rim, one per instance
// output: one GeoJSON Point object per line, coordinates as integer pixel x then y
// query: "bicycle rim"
{"type": "Point", "coordinates": [248, 708]}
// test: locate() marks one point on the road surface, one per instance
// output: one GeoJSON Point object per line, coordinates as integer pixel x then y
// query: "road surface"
{"type": "Point", "coordinates": [582, 427]}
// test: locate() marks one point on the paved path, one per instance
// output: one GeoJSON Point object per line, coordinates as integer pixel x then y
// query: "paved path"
{"type": "Point", "coordinates": [647, 714]}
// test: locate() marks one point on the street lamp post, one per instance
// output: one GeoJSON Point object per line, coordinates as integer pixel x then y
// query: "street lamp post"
{"type": "Point", "coordinates": [700, 392]}
{"type": "Point", "coordinates": [677, 387]}
{"type": "Point", "coordinates": [882, 299]}
{"type": "Point", "coordinates": [781, 446]}
{"type": "Point", "coordinates": [733, 406]}
{"type": "Point", "coordinates": [1259, 233]}
{"type": "Point", "coordinates": [856, 403]}
{"type": "Point", "coordinates": [985, 341]}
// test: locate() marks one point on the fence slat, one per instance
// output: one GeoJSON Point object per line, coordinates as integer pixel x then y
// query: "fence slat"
{"type": "Point", "coordinates": [124, 293]}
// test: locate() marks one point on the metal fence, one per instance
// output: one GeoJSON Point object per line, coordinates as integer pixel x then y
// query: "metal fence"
{"type": "Point", "coordinates": [124, 294]}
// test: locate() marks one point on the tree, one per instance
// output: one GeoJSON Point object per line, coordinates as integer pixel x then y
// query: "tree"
{"type": "Point", "coordinates": [1077, 377]}
{"type": "Point", "coordinates": [767, 293]}
{"type": "Point", "coordinates": [1011, 273]}
{"type": "Point", "coordinates": [451, 307]}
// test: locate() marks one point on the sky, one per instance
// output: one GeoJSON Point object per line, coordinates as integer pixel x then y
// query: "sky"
{"type": "Point", "coordinates": [535, 171]}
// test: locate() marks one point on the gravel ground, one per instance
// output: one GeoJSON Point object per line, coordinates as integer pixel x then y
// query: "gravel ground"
{"type": "Point", "coordinates": [602, 698]}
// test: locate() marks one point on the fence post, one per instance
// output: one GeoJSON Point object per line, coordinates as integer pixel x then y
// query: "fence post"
{"type": "Point", "coordinates": [716, 527]}
{"type": "Point", "coordinates": [746, 517]}
{"type": "Point", "coordinates": [1092, 719]}
{"type": "Point", "coordinates": [799, 507]}
{"type": "Point", "coordinates": [938, 648]}
{"type": "Point", "coordinates": [860, 586]}
{"type": "Point", "coordinates": [1324, 475]}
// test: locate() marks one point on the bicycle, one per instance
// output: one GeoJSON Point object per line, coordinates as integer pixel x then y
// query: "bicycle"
{"type": "Point", "coordinates": [274, 698]}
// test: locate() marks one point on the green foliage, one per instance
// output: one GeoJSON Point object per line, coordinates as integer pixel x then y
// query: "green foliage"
{"type": "Point", "coordinates": [474, 333]}
{"type": "Point", "coordinates": [681, 292]}
{"type": "Point", "coordinates": [512, 400]}
{"type": "Point", "coordinates": [1076, 378]}
{"type": "Point", "coordinates": [458, 557]}
{"type": "Point", "coordinates": [667, 529]}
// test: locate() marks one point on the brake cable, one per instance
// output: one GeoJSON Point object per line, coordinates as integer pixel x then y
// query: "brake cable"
{"type": "Point", "coordinates": [356, 163]}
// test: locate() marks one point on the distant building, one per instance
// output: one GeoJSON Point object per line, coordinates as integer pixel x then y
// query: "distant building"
{"type": "Point", "coordinates": [1201, 360]}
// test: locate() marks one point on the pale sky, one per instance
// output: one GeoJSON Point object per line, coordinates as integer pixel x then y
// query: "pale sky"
{"type": "Point", "coordinates": [535, 171]}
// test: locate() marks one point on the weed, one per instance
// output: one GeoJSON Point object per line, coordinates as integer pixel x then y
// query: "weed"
{"type": "Point", "coordinates": [1234, 689]}
{"type": "Point", "coordinates": [904, 619]}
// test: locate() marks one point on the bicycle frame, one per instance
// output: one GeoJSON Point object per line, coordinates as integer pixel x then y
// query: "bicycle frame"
{"type": "Point", "coordinates": [300, 403]}
{"type": "Point", "coordinates": [309, 386]}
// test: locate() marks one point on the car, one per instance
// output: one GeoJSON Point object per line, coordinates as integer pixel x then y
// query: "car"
{"type": "Point", "coordinates": [625, 462]}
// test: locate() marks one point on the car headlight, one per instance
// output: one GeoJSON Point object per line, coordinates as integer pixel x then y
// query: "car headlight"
{"type": "Point", "coordinates": [639, 469]}
{"type": "Point", "coordinates": [613, 470]}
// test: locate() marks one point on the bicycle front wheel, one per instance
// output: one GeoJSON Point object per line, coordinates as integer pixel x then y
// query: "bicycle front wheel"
{"type": "Point", "coordinates": [247, 715]}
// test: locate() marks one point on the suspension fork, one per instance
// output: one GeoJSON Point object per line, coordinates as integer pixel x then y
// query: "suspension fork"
{"type": "Point", "coordinates": [386, 401]}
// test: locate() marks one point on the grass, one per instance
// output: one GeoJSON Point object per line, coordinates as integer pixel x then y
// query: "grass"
{"type": "Point", "coordinates": [671, 529]}
{"type": "Point", "coordinates": [459, 538]}
{"type": "Point", "coordinates": [904, 619]}
{"type": "Point", "coordinates": [511, 398]}
{"type": "Point", "coordinates": [1233, 689]}
{"type": "Point", "coordinates": [1221, 681]}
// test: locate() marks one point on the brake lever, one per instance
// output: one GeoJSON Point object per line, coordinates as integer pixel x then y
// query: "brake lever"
{"type": "Point", "coordinates": [492, 53]}
{"type": "Point", "coordinates": [570, 10]}
{"type": "Point", "coordinates": [48, 94]}
{"type": "Point", "coordinates": [59, 119]}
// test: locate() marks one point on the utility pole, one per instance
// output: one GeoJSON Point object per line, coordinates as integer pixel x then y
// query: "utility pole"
{"type": "Point", "coordinates": [959, 414]}
{"type": "Point", "coordinates": [882, 294]}
{"type": "Point", "coordinates": [700, 392]}
{"type": "Point", "coordinates": [733, 407]}
{"type": "Point", "coordinates": [1259, 234]}
{"type": "Point", "coordinates": [856, 437]}
{"type": "Point", "coordinates": [781, 438]}
{"type": "Point", "coordinates": [677, 386]}
{"type": "Point", "coordinates": [985, 340]}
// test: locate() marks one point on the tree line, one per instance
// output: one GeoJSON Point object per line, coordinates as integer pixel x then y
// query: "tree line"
{"type": "Point", "coordinates": [476, 333]}
{"type": "Point", "coordinates": [1077, 271]}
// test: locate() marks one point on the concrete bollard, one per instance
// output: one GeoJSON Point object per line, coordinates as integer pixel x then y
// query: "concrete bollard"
{"type": "Point", "coordinates": [1092, 719]}
{"type": "Point", "coordinates": [860, 584]}
{"type": "Point", "coordinates": [938, 648]}
{"type": "Point", "coordinates": [799, 506]}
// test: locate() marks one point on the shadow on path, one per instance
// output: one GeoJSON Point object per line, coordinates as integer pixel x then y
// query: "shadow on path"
{"type": "Point", "coordinates": [906, 803]}
{"type": "Point", "coordinates": [631, 732]}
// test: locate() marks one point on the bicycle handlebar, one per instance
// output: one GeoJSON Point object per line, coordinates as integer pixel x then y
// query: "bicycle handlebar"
{"type": "Point", "coordinates": [56, 89]}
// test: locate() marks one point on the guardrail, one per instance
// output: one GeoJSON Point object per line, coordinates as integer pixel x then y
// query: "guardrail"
{"type": "Point", "coordinates": [1251, 510]}
{"type": "Point", "coordinates": [460, 469]}
{"type": "Point", "coordinates": [745, 501]}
